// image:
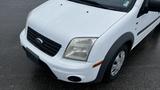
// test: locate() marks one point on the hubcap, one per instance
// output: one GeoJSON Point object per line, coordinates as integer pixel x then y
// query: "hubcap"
{"type": "Point", "coordinates": [118, 62]}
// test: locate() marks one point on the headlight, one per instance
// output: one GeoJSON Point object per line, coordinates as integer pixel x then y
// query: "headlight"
{"type": "Point", "coordinates": [79, 48]}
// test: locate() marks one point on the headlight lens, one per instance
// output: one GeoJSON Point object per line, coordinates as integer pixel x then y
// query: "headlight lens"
{"type": "Point", "coordinates": [79, 48]}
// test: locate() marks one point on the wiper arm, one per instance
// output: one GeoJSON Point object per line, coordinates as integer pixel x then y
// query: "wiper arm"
{"type": "Point", "coordinates": [95, 3]}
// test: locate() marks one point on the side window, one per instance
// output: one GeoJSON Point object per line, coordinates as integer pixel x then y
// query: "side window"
{"type": "Point", "coordinates": [144, 9]}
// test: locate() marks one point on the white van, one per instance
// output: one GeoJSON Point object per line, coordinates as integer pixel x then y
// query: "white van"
{"type": "Point", "coordinates": [83, 41]}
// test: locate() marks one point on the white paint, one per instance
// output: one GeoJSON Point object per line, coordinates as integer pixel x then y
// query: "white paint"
{"type": "Point", "coordinates": [62, 20]}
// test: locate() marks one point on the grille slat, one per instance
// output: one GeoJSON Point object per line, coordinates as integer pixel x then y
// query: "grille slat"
{"type": "Point", "coordinates": [45, 46]}
{"type": "Point", "coordinates": [48, 46]}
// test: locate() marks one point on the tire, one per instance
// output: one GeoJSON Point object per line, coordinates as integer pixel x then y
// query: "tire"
{"type": "Point", "coordinates": [118, 58]}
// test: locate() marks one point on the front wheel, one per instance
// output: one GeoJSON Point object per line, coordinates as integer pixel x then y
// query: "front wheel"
{"type": "Point", "coordinates": [116, 63]}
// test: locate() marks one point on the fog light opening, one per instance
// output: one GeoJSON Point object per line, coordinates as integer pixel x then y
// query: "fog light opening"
{"type": "Point", "coordinates": [74, 79]}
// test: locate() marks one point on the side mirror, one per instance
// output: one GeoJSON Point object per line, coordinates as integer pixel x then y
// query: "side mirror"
{"type": "Point", "coordinates": [154, 5]}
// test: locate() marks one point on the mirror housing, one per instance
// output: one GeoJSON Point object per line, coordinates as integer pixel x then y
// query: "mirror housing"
{"type": "Point", "coordinates": [154, 5]}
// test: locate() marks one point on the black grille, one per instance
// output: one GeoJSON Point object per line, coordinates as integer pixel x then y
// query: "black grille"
{"type": "Point", "coordinates": [47, 46]}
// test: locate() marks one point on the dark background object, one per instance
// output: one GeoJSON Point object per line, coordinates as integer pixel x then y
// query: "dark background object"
{"type": "Point", "coordinates": [17, 72]}
{"type": "Point", "coordinates": [154, 5]}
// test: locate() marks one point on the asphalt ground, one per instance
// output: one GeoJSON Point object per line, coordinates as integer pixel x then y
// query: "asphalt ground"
{"type": "Point", "coordinates": [17, 72]}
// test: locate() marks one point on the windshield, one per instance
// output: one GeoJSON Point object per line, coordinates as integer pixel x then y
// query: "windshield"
{"type": "Point", "coordinates": [120, 5]}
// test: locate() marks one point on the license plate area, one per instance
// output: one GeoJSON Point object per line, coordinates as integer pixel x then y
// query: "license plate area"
{"type": "Point", "coordinates": [32, 55]}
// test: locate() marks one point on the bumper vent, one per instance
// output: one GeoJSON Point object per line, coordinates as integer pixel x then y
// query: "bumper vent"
{"type": "Point", "coordinates": [46, 45]}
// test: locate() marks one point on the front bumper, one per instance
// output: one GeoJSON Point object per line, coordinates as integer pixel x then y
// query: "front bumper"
{"type": "Point", "coordinates": [61, 67]}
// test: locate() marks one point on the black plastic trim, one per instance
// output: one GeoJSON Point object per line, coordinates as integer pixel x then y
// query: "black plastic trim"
{"type": "Point", "coordinates": [74, 79]}
{"type": "Point", "coordinates": [147, 26]}
{"type": "Point", "coordinates": [47, 45]}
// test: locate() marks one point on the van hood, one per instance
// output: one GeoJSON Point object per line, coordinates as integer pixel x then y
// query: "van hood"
{"type": "Point", "coordinates": [63, 19]}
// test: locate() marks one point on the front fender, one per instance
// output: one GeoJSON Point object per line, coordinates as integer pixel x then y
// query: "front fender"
{"type": "Point", "coordinates": [119, 42]}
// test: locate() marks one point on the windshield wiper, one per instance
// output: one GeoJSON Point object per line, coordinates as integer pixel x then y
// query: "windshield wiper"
{"type": "Point", "coordinates": [95, 3]}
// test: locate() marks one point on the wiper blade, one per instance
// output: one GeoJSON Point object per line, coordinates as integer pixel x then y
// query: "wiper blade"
{"type": "Point", "coordinates": [95, 3]}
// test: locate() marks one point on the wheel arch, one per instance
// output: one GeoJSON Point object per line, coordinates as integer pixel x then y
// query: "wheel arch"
{"type": "Point", "coordinates": [125, 39]}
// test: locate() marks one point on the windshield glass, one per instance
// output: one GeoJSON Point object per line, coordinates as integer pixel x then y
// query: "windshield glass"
{"type": "Point", "coordinates": [120, 5]}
